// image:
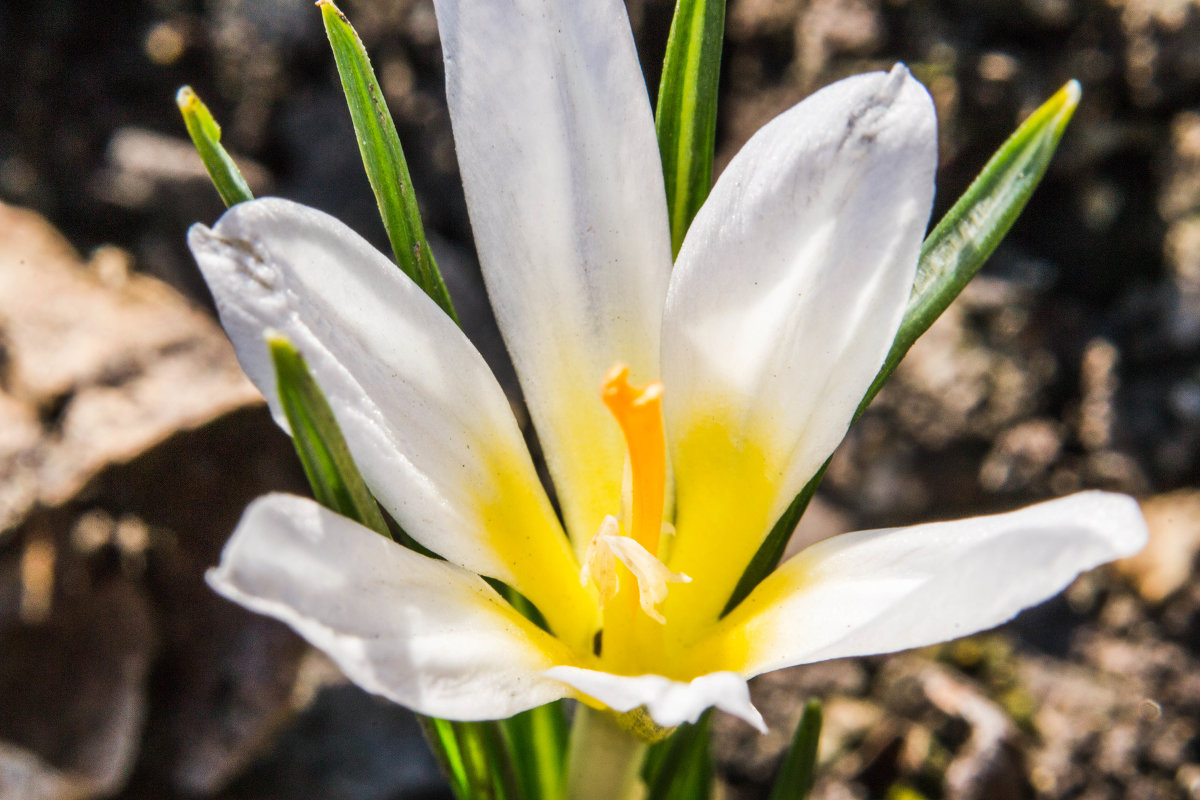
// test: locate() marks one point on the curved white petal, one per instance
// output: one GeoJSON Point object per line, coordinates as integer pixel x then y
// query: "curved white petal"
{"type": "Point", "coordinates": [425, 420]}
{"type": "Point", "coordinates": [421, 632]}
{"type": "Point", "coordinates": [784, 302]}
{"type": "Point", "coordinates": [886, 590]}
{"type": "Point", "coordinates": [668, 702]}
{"type": "Point", "coordinates": [560, 164]}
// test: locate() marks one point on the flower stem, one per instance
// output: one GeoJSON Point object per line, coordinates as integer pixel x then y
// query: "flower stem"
{"type": "Point", "coordinates": [604, 761]}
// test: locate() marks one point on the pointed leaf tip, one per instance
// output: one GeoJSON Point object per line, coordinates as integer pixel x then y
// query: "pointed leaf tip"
{"type": "Point", "coordinates": [185, 97]}
{"type": "Point", "coordinates": [1074, 91]}
{"type": "Point", "coordinates": [972, 229]}
{"type": "Point", "coordinates": [1068, 98]}
{"type": "Point", "coordinates": [798, 771]}
{"type": "Point", "coordinates": [336, 482]}
{"type": "Point", "coordinates": [383, 157]}
{"type": "Point", "coordinates": [206, 137]}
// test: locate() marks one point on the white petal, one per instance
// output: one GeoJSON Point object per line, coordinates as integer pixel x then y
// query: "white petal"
{"type": "Point", "coordinates": [559, 160]}
{"type": "Point", "coordinates": [426, 422]}
{"type": "Point", "coordinates": [784, 301]}
{"type": "Point", "coordinates": [421, 632]}
{"type": "Point", "coordinates": [886, 590]}
{"type": "Point", "coordinates": [668, 702]}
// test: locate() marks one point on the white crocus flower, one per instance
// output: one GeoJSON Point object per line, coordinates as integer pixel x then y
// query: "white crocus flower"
{"type": "Point", "coordinates": [752, 354]}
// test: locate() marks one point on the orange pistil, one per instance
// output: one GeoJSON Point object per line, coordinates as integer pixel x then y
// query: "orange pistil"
{"type": "Point", "coordinates": [639, 413]}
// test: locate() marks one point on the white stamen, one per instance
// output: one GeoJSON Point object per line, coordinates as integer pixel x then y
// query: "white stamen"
{"type": "Point", "coordinates": [599, 563]}
{"type": "Point", "coordinates": [651, 574]}
{"type": "Point", "coordinates": [600, 568]}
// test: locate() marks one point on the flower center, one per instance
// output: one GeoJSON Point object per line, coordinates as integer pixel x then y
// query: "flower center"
{"type": "Point", "coordinates": [607, 548]}
{"type": "Point", "coordinates": [622, 559]}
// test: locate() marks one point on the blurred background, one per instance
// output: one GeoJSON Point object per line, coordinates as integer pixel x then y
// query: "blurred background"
{"type": "Point", "coordinates": [129, 442]}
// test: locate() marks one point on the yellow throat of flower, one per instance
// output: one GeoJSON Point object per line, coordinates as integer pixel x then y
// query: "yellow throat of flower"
{"type": "Point", "coordinates": [624, 565]}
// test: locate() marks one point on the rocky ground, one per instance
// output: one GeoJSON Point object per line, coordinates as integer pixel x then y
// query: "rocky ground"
{"type": "Point", "coordinates": [129, 442]}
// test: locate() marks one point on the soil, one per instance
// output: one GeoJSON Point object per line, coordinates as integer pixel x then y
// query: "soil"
{"type": "Point", "coordinates": [129, 442]}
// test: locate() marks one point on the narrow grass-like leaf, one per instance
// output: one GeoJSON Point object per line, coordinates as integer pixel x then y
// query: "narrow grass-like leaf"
{"type": "Point", "coordinates": [206, 136]}
{"type": "Point", "coordinates": [680, 768]}
{"type": "Point", "coordinates": [444, 743]}
{"type": "Point", "coordinates": [383, 157]}
{"type": "Point", "coordinates": [336, 481]}
{"type": "Point", "coordinates": [971, 230]}
{"type": "Point", "coordinates": [488, 768]}
{"type": "Point", "coordinates": [470, 756]}
{"type": "Point", "coordinates": [950, 256]}
{"type": "Point", "coordinates": [796, 774]}
{"type": "Point", "coordinates": [537, 745]}
{"type": "Point", "coordinates": [686, 117]}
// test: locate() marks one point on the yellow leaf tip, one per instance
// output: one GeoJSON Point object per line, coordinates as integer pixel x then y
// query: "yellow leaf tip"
{"type": "Point", "coordinates": [185, 98]}
{"type": "Point", "coordinates": [1073, 92]}
{"type": "Point", "coordinates": [1061, 107]}
{"type": "Point", "coordinates": [330, 11]}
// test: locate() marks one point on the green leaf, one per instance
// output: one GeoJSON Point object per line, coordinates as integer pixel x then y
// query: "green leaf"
{"type": "Point", "coordinates": [440, 734]}
{"type": "Point", "coordinates": [796, 774]}
{"type": "Point", "coordinates": [686, 117]}
{"type": "Point", "coordinates": [901, 791]}
{"type": "Point", "coordinates": [950, 256]}
{"type": "Point", "coordinates": [680, 768]}
{"type": "Point", "coordinates": [336, 481]}
{"type": "Point", "coordinates": [537, 744]}
{"type": "Point", "coordinates": [472, 757]}
{"type": "Point", "coordinates": [971, 230]}
{"type": "Point", "coordinates": [206, 136]}
{"type": "Point", "coordinates": [383, 158]}
{"type": "Point", "coordinates": [491, 767]}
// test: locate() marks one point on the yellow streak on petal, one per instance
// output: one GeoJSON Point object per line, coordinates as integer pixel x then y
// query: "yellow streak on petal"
{"type": "Point", "coordinates": [584, 451]}
{"type": "Point", "coordinates": [520, 526]}
{"type": "Point", "coordinates": [725, 493]}
{"type": "Point", "coordinates": [745, 639]}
